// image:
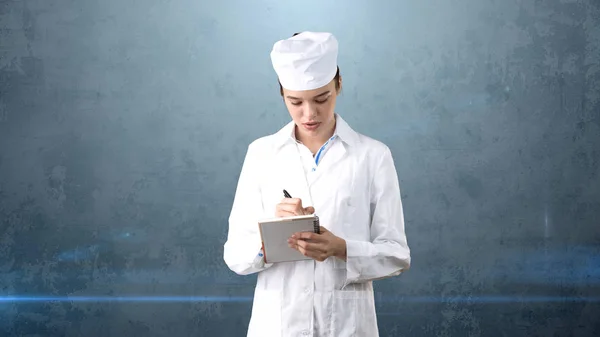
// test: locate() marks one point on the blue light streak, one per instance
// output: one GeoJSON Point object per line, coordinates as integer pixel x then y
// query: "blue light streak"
{"type": "Point", "coordinates": [21, 299]}
{"type": "Point", "coordinates": [241, 299]}
{"type": "Point", "coordinates": [491, 299]}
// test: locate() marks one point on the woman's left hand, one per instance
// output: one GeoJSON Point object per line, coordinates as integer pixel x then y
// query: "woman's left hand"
{"type": "Point", "coordinates": [319, 246]}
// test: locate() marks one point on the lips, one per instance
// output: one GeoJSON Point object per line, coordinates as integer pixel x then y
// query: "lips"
{"type": "Point", "coordinates": [311, 125]}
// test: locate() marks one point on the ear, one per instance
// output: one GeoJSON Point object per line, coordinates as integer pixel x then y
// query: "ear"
{"type": "Point", "coordinates": [340, 84]}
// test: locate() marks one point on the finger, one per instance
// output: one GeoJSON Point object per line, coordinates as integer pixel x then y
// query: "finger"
{"type": "Point", "coordinates": [312, 247]}
{"type": "Point", "coordinates": [311, 250]}
{"type": "Point", "coordinates": [283, 213]}
{"type": "Point", "coordinates": [309, 210]}
{"type": "Point", "coordinates": [319, 256]}
{"type": "Point", "coordinates": [307, 236]}
{"type": "Point", "coordinates": [289, 208]}
{"type": "Point", "coordinates": [291, 201]}
{"type": "Point", "coordinates": [295, 243]}
{"type": "Point", "coordinates": [286, 207]}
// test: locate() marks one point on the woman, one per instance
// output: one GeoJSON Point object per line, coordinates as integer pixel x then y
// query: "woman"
{"type": "Point", "coordinates": [348, 179]}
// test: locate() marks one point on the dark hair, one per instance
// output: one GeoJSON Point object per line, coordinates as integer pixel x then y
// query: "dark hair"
{"type": "Point", "coordinates": [336, 78]}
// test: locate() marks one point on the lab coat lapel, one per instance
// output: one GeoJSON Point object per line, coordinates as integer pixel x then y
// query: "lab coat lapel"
{"type": "Point", "coordinates": [334, 156]}
{"type": "Point", "coordinates": [291, 174]}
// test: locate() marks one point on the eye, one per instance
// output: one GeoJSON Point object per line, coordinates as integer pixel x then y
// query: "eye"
{"type": "Point", "coordinates": [322, 101]}
{"type": "Point", "coordinates": [295, 103]}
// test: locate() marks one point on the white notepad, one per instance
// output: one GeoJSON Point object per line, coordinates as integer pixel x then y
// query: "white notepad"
{"type": "Point", "coordinates": [275, 233]}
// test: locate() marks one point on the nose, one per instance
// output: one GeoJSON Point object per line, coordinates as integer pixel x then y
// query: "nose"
{"type": "Point", "coordinates": [309, 110]}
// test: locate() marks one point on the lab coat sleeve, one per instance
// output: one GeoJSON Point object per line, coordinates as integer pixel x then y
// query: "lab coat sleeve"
{"type": "Point", "coordinates": [242, 250]}
{"type": "Point", "coordinates": [387, 254]}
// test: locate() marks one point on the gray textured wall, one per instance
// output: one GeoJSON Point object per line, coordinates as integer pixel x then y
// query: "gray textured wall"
{"type": "Point", "coordinates": [123, 125]}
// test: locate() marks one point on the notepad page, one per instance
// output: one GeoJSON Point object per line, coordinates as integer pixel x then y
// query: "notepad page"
{"type": "Point", "coordinates": [276, 234]}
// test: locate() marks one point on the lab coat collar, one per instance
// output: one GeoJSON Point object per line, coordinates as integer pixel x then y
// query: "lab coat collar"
{"type": "Point", "coordinates": [343, 131]}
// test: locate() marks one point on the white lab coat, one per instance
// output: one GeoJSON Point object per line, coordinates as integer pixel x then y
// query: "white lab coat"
{"type": "Point", "coordinates": [356, 195]}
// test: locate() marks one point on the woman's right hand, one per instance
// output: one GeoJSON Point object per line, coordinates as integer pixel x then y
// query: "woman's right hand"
{"type": "Point", "coordinates": [291, 207]}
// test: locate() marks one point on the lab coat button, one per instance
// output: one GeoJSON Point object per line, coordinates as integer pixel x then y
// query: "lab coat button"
{"type": "Point", "coordinates": [305, 333]}
{"type": "Point", "coordinates": [307, 290]}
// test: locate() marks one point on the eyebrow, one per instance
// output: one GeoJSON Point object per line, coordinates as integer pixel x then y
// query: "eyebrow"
{"type": "Point", "coordinates": [319, 95]}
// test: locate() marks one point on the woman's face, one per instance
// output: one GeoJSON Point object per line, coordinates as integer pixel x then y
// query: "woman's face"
{"type": "Point", "coordinates": [313, 110]}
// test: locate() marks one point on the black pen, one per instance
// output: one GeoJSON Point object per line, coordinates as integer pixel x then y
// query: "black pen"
{"type": "Point", "coordinates": [286, 194]}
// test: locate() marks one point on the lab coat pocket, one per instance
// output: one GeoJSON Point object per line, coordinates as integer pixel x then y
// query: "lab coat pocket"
{"type": "Point", "coordinates": [344, 206]}
{"type": "Point", "coordinates": [266, 314]}
{"type": "Point", "coordinates": [344, 313]}
{"type": "Point", "coordinates": [353, 313]}
{"type": "Point", "coordinates": [353, 210]}
{"type": "Point", "coordinates": [345, 195]}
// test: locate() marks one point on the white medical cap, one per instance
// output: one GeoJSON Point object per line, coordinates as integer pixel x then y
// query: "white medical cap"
{"type": "Point", "coordinates": [306, 61]}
